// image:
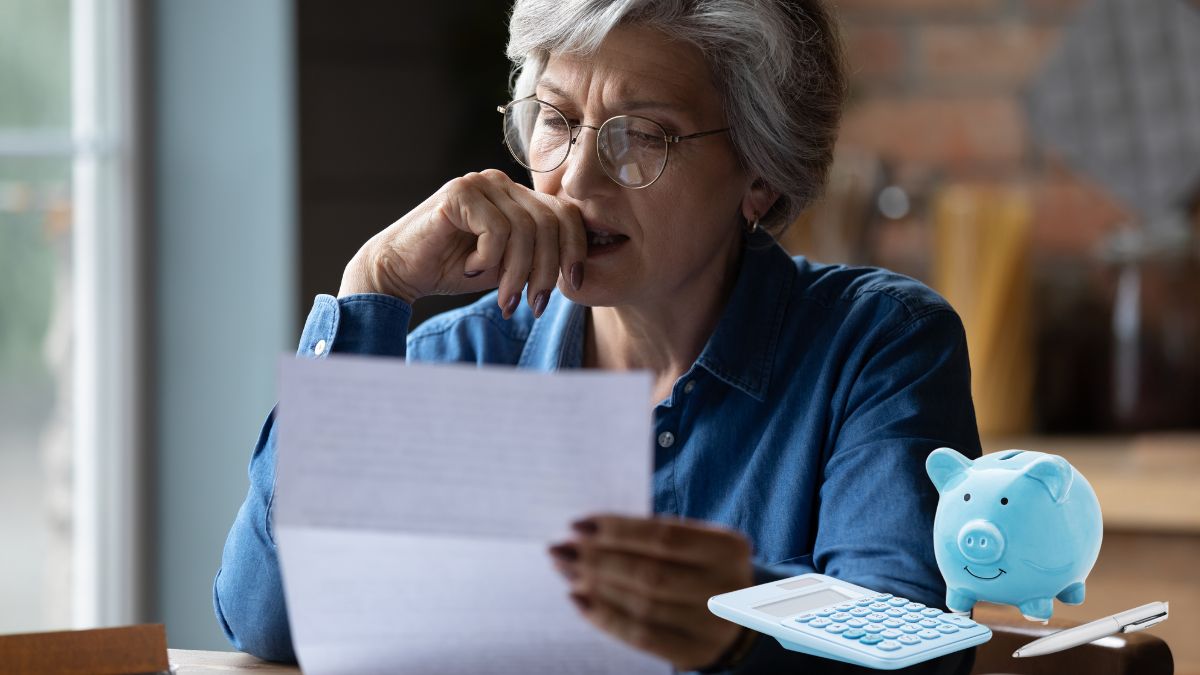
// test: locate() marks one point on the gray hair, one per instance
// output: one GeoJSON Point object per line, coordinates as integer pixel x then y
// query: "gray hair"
{"type": "Point", "coordinates": [777, 63]}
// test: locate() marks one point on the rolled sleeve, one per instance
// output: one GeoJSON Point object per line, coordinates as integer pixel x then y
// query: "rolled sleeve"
{"type": "Point", "coordinates": [363, 323]}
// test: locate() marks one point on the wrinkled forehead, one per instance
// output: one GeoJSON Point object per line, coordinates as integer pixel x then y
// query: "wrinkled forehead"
{"type": "Point", "coordinates": [634, 66]}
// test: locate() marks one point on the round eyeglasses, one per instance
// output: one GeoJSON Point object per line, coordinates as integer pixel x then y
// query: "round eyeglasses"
{"type": "Point", "coordinates": [632, 150]}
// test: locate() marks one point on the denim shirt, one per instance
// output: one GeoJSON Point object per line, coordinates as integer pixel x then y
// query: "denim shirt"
{"type": "Point", "coordinates": [804, 424]}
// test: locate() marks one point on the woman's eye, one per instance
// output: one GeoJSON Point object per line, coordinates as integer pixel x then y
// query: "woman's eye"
{"type": "Point", "coordinates": [1004, 501]}
{"type": "Point", "coordinates": [967, 497]}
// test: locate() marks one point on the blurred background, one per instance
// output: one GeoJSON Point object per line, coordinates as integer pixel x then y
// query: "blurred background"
{"type": "Point", "coordinates": [179, 178]}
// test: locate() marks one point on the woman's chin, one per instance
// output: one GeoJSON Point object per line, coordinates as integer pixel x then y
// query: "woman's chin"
{"type": "Point", "coordinates": [594, 293]}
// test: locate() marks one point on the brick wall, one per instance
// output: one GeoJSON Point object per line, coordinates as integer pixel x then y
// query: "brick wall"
{"type": "Point", "coordinates": [937, 92]}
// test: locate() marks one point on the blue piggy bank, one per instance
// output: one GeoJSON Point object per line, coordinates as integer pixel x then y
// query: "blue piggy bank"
{"type": "Point", "coordinates": [1017, 527]}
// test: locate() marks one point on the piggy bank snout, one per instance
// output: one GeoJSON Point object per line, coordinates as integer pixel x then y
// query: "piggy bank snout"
{"type": "Point", "coordinates": [980, 542]}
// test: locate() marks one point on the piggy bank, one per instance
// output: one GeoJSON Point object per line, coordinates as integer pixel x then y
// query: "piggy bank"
{"type": "Point", "coordinates": [1017, 527]}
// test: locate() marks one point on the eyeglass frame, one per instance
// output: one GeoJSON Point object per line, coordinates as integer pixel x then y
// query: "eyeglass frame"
{"type": "Point", "coordinates": [668, 138]}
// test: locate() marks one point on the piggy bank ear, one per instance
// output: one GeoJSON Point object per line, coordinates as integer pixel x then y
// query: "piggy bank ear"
{"type": "Point", "coordinates": [1055, 473]}
{"type": "Point", "coordinates": [945, 467]}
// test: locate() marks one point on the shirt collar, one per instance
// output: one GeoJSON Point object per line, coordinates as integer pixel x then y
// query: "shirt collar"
{"type": "Point", "coordinates": [741, 350]}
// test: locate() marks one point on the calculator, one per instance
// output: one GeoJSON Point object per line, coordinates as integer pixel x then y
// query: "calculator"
{"type": "Point", "coordinates": [819, 615]}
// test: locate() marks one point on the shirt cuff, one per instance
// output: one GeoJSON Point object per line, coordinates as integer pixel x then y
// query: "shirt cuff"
{"type": "Point", "coordinates": [364, 323]}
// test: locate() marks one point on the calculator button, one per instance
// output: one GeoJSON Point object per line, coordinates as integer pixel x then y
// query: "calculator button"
{"type": "Point", "coordinates": [890, 634]}
{"type": "Point", "coordinates": [856, 622]}
{"type": "Point", "coordinates": [871, 639]}
{"type": "Point", "coordinates": [860, 611]}
{"type": "Point", "coordinates": [929, 634]}
{"type": "Point", "coordinates": [825, 612]}
{"type": "Point", "coordinates": [805, 618]}
{"type": "Point", "coordinates": [841, 616]}
{"type": "Point", "coordinates": [819, 622]}
{"type": "Point", "coordinates": [912, 618]}
{"type": "Point", "coordinates": [889, 645]}
{"type": "Point", "coordinates": [910, 628]}
{"type": "Point", "coordinates": [883, 596]}
{"type": "Point", "coordinates": [947, 628]}
{"type": "Point", "coordinates": [879, 606]}
{"type": "Point", "coordinates": [931, 611]}
{"type": "Point", "coordinates": [853, 634]}
{"type": "Point", "coordinates": [928, 623]}
{"type": "Point", "coordinates": [840, 628]}
{"type": "Point", "coordinates": [897, 602]}
{"type": "Point", "coordinates": [959, 620]}
{"type": "Point", "coordinates": [893, 623]}
{"type": "Point", "coordinates": [874, 628]}
{"type": "Point", "coordinates": [895, 611]}
{"type": "Point", "coordinates": [845, 607]}
{"type": "Point", "coordinates": [864, 602]}
{"type": "Point", "coordinates": [914, 606]}
{"type": "Point", "coordinates": [909, 640]}
{"type": "Point", "coordinates": [876, 617]}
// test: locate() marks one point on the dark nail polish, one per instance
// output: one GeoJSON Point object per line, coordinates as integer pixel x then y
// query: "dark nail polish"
{"type": "Point", "coordinates": [472, 274]}
{"type": "Point", "coordinates": [511, 305]}
{"type": "Point", "coordinates": [564, 552]}
{"type": "Point", "coordinates": [577, 276]}
{"type": "Point", "coordinates": [581, 601]}
{"type": "Point", "coordinates": [539, 303]}
{"type": "Point", "coordinates": [586, 527]}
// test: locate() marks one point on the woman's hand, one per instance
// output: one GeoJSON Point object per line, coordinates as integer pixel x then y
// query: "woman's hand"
{"type": "Point", "coordinates": [647, 581]}
{"type": "Point", "coordinates": [477, 232]}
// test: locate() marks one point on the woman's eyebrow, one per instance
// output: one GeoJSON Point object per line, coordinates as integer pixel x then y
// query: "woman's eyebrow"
{"type": "Point", "coordinates": [625, 106]}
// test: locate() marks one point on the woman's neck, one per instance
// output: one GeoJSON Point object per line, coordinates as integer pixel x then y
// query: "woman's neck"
{"type": "Point", "coordinates": [666, 334]}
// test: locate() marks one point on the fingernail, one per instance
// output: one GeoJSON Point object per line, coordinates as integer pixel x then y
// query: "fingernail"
{"type": "Point", "coordinates": [539, 303]}
{"type": "Point", "coordinates": [577, 276]}
{"type": "Point", "coordinates": [472, 274]}
{"type": "Point", "coordinates": [587, 527]}
{"type": "Point", "coordinates": [511, 305]}
{"type": "Point", "coordinates": [581, 602]}
{"type": "Point", "coordinates": [565, 552]}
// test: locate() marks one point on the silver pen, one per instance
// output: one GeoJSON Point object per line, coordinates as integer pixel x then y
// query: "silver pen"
{"type": "Point", "coordinates": [1129, 621]}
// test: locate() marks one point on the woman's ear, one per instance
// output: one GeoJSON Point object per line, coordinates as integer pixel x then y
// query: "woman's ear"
{"type": "Point", "coordinates": [759, 199]}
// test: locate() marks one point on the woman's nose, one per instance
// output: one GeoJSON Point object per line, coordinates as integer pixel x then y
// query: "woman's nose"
{"type": "Point", "coordinates": [583, 176]}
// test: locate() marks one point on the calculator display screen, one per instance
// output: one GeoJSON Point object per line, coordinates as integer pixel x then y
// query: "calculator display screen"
{"type": "Point", "coordinates": [801, 603]}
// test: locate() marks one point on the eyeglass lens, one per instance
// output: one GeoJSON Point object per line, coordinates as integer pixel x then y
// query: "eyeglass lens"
{"type": "Point", "coordinates": [632, 150]}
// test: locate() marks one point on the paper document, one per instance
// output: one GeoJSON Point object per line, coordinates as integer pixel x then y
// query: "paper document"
{"type": "Point", "coordinates": [414, 505]}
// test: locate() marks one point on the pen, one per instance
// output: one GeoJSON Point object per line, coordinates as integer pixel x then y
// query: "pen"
{"type": "Point", "coordinates": [1129, 621]}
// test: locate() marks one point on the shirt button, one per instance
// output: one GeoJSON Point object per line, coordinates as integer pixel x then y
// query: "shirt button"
{"type": "Point", "coordinates": [320, 348]}
{"type": "Point", "coordinates": [666, 439]}
{"type": "Point", "coordinates": [687, 388]}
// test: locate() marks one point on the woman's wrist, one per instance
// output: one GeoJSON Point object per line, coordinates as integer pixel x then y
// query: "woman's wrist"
{"type": "Point", "coordinates": [369, 272]}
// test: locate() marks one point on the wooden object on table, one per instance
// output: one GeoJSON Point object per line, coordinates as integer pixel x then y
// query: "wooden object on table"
{"type": "Point", "coordinates": [102, 651]}
{"type": "Point", "coordinates": [1123, 654]}
{"type": "Point", "coordinates": [190, 662]}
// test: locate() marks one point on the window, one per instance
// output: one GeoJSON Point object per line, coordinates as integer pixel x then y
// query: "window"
{"type": "Point", "coordinates": [69, 423]}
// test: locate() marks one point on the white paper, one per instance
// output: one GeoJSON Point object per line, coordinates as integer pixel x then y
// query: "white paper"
{"type": "Point", "coordinates": [414, 504]}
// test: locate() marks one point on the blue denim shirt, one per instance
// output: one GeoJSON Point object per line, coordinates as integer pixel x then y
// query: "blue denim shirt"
{"type": "Point", "coordinates": [804, 424]}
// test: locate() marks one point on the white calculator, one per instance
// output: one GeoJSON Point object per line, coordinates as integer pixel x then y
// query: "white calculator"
{"type": "Point", "coordinates": [825, 617]}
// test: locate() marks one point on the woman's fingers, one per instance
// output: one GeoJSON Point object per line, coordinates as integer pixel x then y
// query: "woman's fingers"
{"type": "Point", "coordinates": [522, 238]}
{"type": "Point", "coordinates": [471, 210]}
{"type": "Point", "coordinates": [572, 241]}
{"type": "Point", "coordinates": [544, 274]}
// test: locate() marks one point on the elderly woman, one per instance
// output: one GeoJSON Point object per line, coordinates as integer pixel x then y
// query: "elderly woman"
{"type": "Point", "coordinates": [794, 403]}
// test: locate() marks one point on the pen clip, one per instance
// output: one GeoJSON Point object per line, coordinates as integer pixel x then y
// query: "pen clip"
{"type": "Point", "coordinates": [1143, 624]}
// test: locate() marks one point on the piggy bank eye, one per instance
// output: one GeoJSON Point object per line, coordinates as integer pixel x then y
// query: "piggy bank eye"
{"type": "Point", "coordinates": [967, 497]}
{"type": "Point", "coordinates": [1004, 501]}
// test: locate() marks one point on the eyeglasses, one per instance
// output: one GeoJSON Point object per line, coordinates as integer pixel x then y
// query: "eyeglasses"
{"type": "Point", "coordinates": [632, 150]}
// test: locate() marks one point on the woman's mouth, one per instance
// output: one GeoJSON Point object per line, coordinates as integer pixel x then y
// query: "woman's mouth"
{"type": "Point", "coordinates": [600, 243]}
